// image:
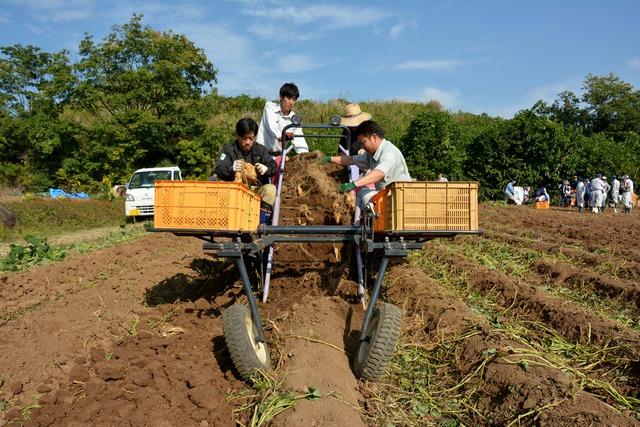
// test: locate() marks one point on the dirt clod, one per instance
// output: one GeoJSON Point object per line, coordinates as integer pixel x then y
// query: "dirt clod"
{"type": "Point", "coordinates": [16, 388]}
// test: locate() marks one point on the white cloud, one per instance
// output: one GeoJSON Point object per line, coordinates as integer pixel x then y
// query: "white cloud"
{"type": "Point", "coordinates": [634, 63]}
{"type": "Point", "coordinates": [296, 63]}
{"type": "Point", "coordinates": [168, 14]}
{"type": "Point", "coordinates": [395, 31]}
{"type": "Point", "coordinates": [58, 10]}
{"type": "Point", "coordinates": [237, 61]}
{"type": "Point", "coordinates": [448, 99]}
{"type": "Point", "coordinates": [333, 16]}
{"type": "Point", "coordinates": [435, 64]}
{"type": "Point", "coordinates": [4, 18]}
{"type": "Point", "coordinates": [307, 22]}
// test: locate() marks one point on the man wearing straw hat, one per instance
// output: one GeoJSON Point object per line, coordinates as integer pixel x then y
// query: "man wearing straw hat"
{"type": "Point", "coordinates": [383, 161]}
{"type": "Point", "coordinates": [351, 118]}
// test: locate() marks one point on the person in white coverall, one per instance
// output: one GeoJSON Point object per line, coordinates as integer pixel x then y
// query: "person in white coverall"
{"type": "Point", "coordinates": [605, 193]}
{"type": "Point", "coordinates": [580, 188]}
{"type": "Point", "coordinates": [597, 187]}
{"type": "Point", "coordinates": [626, 186]}
{"type": "Point", "coordinates": [615, 193]}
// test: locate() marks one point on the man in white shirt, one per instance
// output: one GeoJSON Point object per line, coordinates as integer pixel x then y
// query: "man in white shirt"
{"type": "Point", "coordinates": [383, 161]}
{"type": "Point", "coordinates": [276, 117]}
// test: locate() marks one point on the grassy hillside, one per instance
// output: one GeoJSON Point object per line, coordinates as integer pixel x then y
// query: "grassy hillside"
{"type": "Point", "coordinates": [46, 217]}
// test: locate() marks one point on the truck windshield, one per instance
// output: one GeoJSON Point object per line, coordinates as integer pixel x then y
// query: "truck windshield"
{"type": "Point", "coordinates": [145, 179]}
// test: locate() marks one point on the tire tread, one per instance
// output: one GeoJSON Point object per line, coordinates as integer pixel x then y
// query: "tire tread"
{"type": "Point", "coordinates": [381, 350]}
{"type": "Point", "coordinates": [239, 344]}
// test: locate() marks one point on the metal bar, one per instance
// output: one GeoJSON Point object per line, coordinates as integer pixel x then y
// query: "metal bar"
{"type": "Point", "coordinates": [274, 220]}
{"type": "Point", "coordinates": [315, 126]}
{"type": "Point", "coordinates": [253, 306]}
{"type": "Point", "coordinates": [308, 229]}
{"type": "Point", "coordinates": [429, 233]}
{"type": "Point", "coordinates": [354, 174]}
{"type": "Point", "coordinates": [374, 298]}
{"type": "Point", "coordinates": [325, 239]}
{"type": "Point", "coordinates": [194, 232]}
{"type": "Point", "coordinates": [320, 136]}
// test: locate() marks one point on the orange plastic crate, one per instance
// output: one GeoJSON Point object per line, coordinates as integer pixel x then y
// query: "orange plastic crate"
{"type": "Point", "coordinates": [205, 205]}
{"type": "Point", "coordinates": [542, 205]}
{"type": "Point", "coordinates": [419, 205]}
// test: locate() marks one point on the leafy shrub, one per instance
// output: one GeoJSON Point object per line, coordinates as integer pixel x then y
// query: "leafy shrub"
{"type": "Point", "coordinates": [36, 251]}
{"type": "Point", "coordinates": [433, 145]}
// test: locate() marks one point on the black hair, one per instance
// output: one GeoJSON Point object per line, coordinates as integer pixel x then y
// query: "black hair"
{"type": "Point", "coordinates": [245, 126]}
{"type": "Point", "coordinates": [289, 90]}
{"type": "Point", "coordinates": [368, 128]}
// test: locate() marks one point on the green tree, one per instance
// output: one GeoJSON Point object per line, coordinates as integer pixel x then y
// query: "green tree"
{"type": "Point", "coordinates": [33, 80]}
{"type": "Point", "coordinates": [529, 148]}
{"type": "Point", "coordinates": [567, 109]}
{"type": "Point", "coordinates": [614, 106]}
{"type": "Point", "coordinates": [34, 90]}
{"type": "Point", "coordinates": [433, 145]}
{"type": "Point", "coordinates": [142, 88]}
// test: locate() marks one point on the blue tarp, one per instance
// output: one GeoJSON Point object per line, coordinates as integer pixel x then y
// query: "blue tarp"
{"type": "Point", "coordinates": [56, 193]}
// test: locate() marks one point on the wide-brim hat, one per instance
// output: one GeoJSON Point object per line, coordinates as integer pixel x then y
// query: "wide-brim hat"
{"type": "Point", "coordinates": [353, 115]}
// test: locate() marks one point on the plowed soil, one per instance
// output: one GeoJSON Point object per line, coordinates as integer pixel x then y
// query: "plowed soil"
{"type": "Point", "coordinates": [132, 335]}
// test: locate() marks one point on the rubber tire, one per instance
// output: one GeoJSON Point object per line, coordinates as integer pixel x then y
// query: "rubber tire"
{"type": "Point", "coordinates": [247, 355]}
{"type": "Point", "coordinates": [373, 358]}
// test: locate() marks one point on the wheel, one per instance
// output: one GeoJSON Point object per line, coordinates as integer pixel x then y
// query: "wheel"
{"type": "Point", "coordinates": [373, 357]}
{"type": "Point", "coordinates": [247, 354]}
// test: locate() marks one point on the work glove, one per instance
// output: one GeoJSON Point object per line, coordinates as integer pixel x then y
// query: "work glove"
{"type": "Point", "coordinates": [237, 165]}
{"type": "Point", "coordinates": [325, 159]}
{"type": "Point", "coordinates": [260, 168]}
{"type": "Point", "coordinates": [346, 186]}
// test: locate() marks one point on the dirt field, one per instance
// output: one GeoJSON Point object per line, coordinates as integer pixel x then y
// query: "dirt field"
{"type": "Point", "coordinates": [534, 323]}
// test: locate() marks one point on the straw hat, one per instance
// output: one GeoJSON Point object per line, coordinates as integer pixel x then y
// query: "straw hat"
{"type": "Point", "coordinates": [353, 115]}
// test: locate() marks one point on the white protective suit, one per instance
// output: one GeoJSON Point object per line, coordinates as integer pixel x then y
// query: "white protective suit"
{"type": "Point", "coordinates": [627, 191]}
{"type": "Point", "coordinates": [615, 192]}
{"type": "Point", "coordinates": [605, 194]}
{"type": "Point", "coordinates": [597, 187]}
{"type": "Point", "coordinates": [580, 189]}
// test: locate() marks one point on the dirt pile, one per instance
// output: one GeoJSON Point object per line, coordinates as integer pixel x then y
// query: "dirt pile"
{"type": "Point", "coordinates": [310, 193]}
{"type": "Point", "coordinates": [310, 197]}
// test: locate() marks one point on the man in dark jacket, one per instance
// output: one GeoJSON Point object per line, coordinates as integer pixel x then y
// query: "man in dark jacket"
{"type": "Point", "coordinates": [245, 150]}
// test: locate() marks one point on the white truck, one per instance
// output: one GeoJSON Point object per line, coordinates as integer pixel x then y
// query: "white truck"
{"type": "Point", "coordinates": [140, 195]}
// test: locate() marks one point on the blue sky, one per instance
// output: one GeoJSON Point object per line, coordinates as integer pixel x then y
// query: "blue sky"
{"type": "Point", "coordinates": [494, 56]}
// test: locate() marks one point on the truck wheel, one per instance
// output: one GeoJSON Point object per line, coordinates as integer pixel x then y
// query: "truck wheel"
{"type": "Point", "coordinates": [247, 354]}
{"type": "Point", "coordinates": [373, 357]}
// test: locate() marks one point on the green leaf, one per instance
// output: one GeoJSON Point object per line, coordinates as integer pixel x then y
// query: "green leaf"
{"type": "Point", "coordinates": [313, 393]}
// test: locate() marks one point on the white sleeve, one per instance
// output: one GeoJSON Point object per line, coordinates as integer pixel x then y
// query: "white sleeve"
{"type": "Point", "coordinates": [299, 144]}
{"type": "Point", "coordinates": [272, 120]}
{"type": "Point", "coordinates": [268, 130]}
